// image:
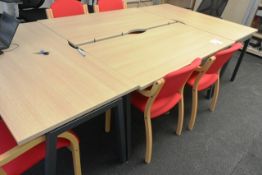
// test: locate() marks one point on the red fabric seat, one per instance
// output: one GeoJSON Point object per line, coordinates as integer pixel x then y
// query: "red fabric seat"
{"type": "Point", "coordinates": [160, 106]}
{"type": "Point", "coordinates": [205, 82]}
{"type": "Point", "coordinates": [26, 160]}
{"type": "Point", "coordinates": [62, 8]}
{"type": "Point", "coordinates": [169, 95]}
{"type": "Point", "coordinates": [109, 5]}
{"type": "Point", "coordinates": [161, 97]}
{"type": "Point", "coordinates": [212, 74]}
{"type": "Point", "coordinates": [206, 76]}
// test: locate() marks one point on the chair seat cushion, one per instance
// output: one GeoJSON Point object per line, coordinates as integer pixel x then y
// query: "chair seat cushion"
{"type": "Point", "coordinates": [26, 160]}
{"type": "Point", "coordinates": [205, 82]}
{"type": "Point", "coordinates": [159, 107]}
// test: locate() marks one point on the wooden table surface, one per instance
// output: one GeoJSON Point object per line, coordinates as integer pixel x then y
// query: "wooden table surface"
{"type": "Point", "coordinates": [217, 26]}
{"type": "Point", "coordinates": [40, 93]}
{"type": "Point", "coordinates": [144, 58]}
{"type": "Point", "coordinates": [83, 28]}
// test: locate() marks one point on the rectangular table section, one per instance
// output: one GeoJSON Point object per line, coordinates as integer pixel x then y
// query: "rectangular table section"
{"type": "Point", "coordinates": [201, 21]}
{"type": "Point", "coordinates": [146, 57]}
{"type": "Point", "coordinates": [84, 28]}
{"type": "Point", "coordinates": [41, 92]}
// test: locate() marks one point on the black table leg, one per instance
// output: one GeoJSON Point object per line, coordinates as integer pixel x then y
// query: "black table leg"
{"type": "Point", "coordinates": [121, 134]}
{"type": "Point", "coordinates": [50, 160]}
{"type": "Point", "coordinates": [127, 111]}
{"type": "Point", "coordinates": [239, 60]}
{"type": "Point", "coordinates": [51, 137]}
{"type": "Point", "coordinates": [210, 91]}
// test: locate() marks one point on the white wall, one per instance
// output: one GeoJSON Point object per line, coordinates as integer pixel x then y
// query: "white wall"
{"type": "Point", "coordinates": [239, 11]}
{"type": "Point", "coordinates": [197, 4]}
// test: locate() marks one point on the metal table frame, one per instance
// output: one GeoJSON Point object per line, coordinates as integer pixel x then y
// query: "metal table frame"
{"type": "Point", "coordinates": [51, 137]}
{"type": "Point", "coordinates": [239, 61]}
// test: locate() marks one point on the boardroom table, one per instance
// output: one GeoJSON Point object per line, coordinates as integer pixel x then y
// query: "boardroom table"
{"type": "Point", "coordinates": [126, 50]}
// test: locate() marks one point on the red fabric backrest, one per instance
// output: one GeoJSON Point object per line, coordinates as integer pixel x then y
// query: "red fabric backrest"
{"type": "Point", "coordinates": [6, 142]}
{"type": "Point", "coordinates": [109, 5]}
{"type": "Point", "coordinates": [174, 81]}
{"type": "Point", "coordinates": [223, 57]}
{"type": "Point", "coordinates": [62, 8]}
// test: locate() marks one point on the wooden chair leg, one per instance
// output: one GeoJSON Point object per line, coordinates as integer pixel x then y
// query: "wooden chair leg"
{"type": "Point", "coordinates": [194, 109]}
{"type": "Point", "coordinates": [76, 159]}
{"type": "Point", "coordinates": [108, 121]}
{"type": "Point", "coordinates": [180, 116]}
{"type": "Point", "coordinates": [74, 147]}
{"type": "Point", "coordinates": [149, 139]}
{"type": "Point", "coordinates": [215, 96]}
{"type": "Point", "coordinates": [2, 172]}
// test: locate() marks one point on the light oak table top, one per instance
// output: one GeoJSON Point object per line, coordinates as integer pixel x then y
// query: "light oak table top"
{"type": "Point", "coordinates": [144, 58]}
{"type": "Point", "coordinates": [220, 27]}
{"type": "Point", "coordinates": [84, 28]}
{"type": "Point", "coordinates": [40, 93]}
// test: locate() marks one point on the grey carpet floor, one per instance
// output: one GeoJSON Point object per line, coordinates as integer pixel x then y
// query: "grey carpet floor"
{"type": "Point", "coordinates": [225, 142]}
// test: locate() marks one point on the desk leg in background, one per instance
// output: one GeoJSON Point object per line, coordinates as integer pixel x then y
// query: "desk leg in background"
{"type": "Point", "coordinates": [128, 121]}
{"type": "Point", "coordinates": [50, 160]}
{"type": "Point", "coordinates": [121, 132]}
{"type": "Point", "coordinates": [240, 60]}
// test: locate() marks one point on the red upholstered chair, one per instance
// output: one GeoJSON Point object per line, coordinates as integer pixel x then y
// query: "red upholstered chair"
{"type": "Point", "coordinates": [109, 5]}
{"type": "Point", "coordinates": [208, 75]}
{"type": "Point", "coordinates": [62, 8]}
{"type": "Point", "coordinates": [16, 159]}
{"type": "Point", "coordinates": [161, 97]}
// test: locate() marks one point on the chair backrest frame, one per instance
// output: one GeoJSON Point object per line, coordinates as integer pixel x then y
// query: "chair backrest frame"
{"type": "Point", "coordinates": [222, 57]}
{"type": "Point", "coordinates": [160, 86]}
{"type": "Point", "coordinates": [202, 70]}
{"type": "Point", "coordinates": [176, 80]}
{"type": "Point", "coordinates": [2, 172]}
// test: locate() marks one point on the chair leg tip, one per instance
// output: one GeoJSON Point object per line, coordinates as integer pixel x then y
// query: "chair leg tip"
{"type": "Point", "coordinates": [147, 161]}
{"type": "Point", "coordinates": [178, 133]}
{"type": "Point", "coordinates": [211, 109]}
{"type": "Point", "coordinates": [190, 128]}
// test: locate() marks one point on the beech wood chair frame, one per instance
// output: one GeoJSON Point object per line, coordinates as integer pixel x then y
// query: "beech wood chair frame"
{"type": "Point", "coordinates": [21, 149]}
